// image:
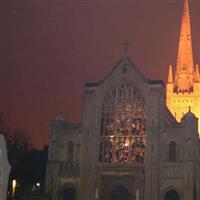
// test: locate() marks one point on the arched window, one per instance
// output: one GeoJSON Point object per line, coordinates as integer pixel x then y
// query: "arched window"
{"type": "Point", "coordinates": [172, 151]}
{"type": "Point", "coordinates": [62, 153]}
{"type": "Point", "coordinates": [123, 120]}
{"type": "Point", "coordinates": [189, 148]}
{"type": "Point", "coordinates": [70, 153]}
{"type": "Point", "coordinates": [78, 146]}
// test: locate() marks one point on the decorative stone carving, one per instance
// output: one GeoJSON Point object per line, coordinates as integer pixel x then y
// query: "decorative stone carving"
{"type": "Point", "coordinates": [68, 169]}
{"type": "Point", "coordinates": [174, 170]}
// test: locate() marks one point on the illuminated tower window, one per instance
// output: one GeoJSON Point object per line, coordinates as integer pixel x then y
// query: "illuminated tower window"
{"type": "Point", "coordinates": [122, 131]}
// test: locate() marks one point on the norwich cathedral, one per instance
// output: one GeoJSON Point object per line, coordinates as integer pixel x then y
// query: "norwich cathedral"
{"type": "Point", "coordinates": [138, 139]}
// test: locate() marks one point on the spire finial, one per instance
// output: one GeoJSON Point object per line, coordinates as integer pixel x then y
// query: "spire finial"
{"type": "Point", "coordinates": [125, 44]}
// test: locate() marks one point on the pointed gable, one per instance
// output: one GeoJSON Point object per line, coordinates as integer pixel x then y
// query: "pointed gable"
{"type": "Point", "coordinates": [124, 69]}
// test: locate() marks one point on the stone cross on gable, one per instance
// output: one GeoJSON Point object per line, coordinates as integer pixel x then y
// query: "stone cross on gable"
{"type": "Point", "coordinates": [125, 44]}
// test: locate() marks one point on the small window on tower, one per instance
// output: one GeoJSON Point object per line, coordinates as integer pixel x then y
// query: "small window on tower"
{"type": "Point", "coordinates": [124, 69]}
{"type": "Point", "coordinates": [184, 67]}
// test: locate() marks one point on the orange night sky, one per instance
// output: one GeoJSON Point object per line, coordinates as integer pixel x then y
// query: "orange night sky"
{"type": "Point", "coordinates": [52, 47]}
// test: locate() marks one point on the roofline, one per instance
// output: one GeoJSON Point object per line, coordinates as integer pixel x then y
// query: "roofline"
{"type": "Point", "coordinates": [156, 82]}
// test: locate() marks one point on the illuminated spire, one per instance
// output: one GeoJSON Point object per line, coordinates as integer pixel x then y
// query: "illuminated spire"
{"type": "Point", "coordinates": [170, 75]}
{"type": "Point", "coordinates": [184, 67]}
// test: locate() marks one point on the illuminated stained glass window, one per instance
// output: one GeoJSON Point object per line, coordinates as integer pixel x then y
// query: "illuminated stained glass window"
{"type": "Point", "coordinates": [122, 131]}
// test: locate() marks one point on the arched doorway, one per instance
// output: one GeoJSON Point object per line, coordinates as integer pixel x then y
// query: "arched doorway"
{"type": "Point", "coordinates": [172, 195]}
{"type": "Point", "coordinates": [120, 193]}
{"type": "Point", "coordinates": [68, 193]}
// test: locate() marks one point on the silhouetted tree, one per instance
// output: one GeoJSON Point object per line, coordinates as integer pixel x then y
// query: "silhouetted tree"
{"type": "Point", "coordinates": [28, 165]}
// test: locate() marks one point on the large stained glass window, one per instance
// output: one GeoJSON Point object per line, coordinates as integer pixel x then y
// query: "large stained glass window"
{"type": "Point", "coordinates": [122, 132]}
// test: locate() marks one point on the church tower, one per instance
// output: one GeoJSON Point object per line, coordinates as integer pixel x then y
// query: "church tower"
{"type": "Point", "coordinates": [183, 84]}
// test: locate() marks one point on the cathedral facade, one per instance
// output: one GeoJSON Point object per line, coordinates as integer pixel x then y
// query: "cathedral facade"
{"type": "Point", "coordinates": [129, 146]}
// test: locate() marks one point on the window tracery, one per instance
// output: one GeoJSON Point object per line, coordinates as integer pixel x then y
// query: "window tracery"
{"type": "Point", "coordinates": [123, 120]}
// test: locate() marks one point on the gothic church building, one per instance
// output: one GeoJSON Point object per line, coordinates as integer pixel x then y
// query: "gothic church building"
{"type": "Point", "coordinates": [129, 146]}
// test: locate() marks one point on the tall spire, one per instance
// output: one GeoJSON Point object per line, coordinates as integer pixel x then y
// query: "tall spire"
{"type": "Point", "coordinates": [184, 67]}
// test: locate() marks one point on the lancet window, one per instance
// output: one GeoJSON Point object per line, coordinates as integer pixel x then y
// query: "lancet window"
{"type": "Point", "coordinates": [123, 120]}
{"type": "Point", "coordinates": [78, 152]}
{"type": "Point", "coordinates": [172, 151]}
{"type": "Point", "coordinates": [70, 151]}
